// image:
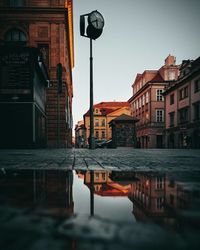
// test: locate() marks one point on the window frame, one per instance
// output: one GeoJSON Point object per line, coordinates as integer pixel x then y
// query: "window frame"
{"type": "Point", "coordinates": [159, 96]}
{"type": "Point", "coordinates": [159, 116]}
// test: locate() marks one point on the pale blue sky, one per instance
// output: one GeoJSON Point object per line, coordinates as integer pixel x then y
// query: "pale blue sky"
{"type": "Point", "coordinates": [138, 35]}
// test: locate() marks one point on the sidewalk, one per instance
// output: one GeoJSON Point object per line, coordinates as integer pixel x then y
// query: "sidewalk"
{"type": "Point", "coordinates": [120, 159]}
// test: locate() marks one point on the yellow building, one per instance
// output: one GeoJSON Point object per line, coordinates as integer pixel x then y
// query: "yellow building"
{"type": "Point", "coordinates": [104, 112]}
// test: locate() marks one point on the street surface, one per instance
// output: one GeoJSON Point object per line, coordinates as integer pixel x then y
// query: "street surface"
{"type": "Point", "coordinates": [36, 186]}
{"type": "Point", "coordinates": [121, 159]}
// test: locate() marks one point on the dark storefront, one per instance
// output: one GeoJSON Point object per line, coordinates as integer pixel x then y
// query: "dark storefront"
{"type": "Point", "coordinates": [23, 79]}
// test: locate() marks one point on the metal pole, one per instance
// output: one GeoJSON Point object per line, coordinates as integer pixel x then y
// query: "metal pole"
{"type": "Point", "coordinates": [92, 192]}
{"type": "Point", "coordinates": [91, 138]}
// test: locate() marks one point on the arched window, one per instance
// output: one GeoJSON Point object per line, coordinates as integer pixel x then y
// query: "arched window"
{"type": "Point", "coordinates": [16, 3]}
{"type": "Point", "coordinates": [15, 35]}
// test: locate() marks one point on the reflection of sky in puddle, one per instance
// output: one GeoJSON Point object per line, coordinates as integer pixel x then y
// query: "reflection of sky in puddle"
{"type": "Point", "coordinates": [113, 208]}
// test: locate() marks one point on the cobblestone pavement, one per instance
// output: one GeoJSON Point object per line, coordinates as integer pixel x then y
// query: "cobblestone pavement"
{"type": "Point", "coordinates": [21, 230]}
{"type": "Point", "coordinates": [121, 159]}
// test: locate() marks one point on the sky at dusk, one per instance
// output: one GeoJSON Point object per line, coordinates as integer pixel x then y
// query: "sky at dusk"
{"type": "Point", "coordinates": [138, 35]}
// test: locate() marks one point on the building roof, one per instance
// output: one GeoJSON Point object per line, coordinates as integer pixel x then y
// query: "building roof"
{"type": "Point", "coordinates": [124, 117]}
{"type": "Point", "coordinates": [108, 107]}
{"type": "Point", "coordinates": [157, 78]}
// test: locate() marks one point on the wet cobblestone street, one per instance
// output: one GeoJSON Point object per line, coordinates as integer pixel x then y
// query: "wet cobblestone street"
{"type": "Point", "coordinates": [99, 199]}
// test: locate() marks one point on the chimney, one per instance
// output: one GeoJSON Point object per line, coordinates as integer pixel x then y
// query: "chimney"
{"type": "Point", "coordinates": [170, 60]}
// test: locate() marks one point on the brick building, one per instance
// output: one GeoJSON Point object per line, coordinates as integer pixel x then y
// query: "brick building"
{"type": "Point", "coordinates": [147, 103]}
{"type": "Point", "coordinates": [48, 26]}
{"type": "Point", "coordinates": [182, 107]}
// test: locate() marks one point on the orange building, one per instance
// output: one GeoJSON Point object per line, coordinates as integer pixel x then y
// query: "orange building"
{"type": "Point", "coordinates": [104, 112]}
{"type": "Point", "coordinates": [147, 103]}
{"type": "Point", "coordinates": [46, 25]}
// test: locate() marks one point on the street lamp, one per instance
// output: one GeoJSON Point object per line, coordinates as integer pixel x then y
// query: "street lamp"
{"type": "Point", "coordinates": [95, 24]}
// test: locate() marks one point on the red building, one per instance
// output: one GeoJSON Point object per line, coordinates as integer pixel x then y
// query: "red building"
{"type": "Point", "coordinates": [183, 107]}
{"type": "Point", "coordinates": [147, 103]}
{"type": "Point", "coordinates": [48, 26]}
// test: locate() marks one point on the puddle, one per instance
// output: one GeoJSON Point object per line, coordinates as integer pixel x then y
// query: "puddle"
{"type": "Point", "coordinates": [113, 199]}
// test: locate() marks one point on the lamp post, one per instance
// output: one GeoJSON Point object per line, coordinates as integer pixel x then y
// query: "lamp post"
{"type": "Point", "coordinates": [95, 24]}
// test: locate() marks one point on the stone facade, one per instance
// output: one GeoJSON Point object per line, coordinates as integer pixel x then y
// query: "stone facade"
{"type": "Point", "coordinates": [123, 131]}
{"type": "Point", "coordinates": [46, 25]}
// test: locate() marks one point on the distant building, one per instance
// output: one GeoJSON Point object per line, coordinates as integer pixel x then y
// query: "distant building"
{"type": "Point", "coordinates": [147, 103]}
{"type": "Point", "coordinates": [104, 112]}
{"type": "Point", "coordinates": [123, 131]}
{"type": "Point", "coordinates": [48, 26]}
{"type": "Point", "coordinates": [183, 107]}
{"type": "Point", "coordinates": [80, 135]}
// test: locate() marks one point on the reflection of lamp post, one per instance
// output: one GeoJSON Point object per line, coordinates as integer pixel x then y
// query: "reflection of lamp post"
{"type": "Point", "coordinates": [92, 31]}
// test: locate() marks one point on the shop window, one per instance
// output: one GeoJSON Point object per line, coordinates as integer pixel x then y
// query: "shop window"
{"type": "Point", "coordinates": [103, 135]}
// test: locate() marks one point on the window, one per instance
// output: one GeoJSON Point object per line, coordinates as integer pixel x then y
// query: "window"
{"type": "Point", "coordinates": [171, 99]}
{"type": "Point", "coordinates": [159, 95]}
{"type": "Point", "coordinates": [97, 134]}
{"type": "Point", "coordinates": [147, 97]}
{"type": "Point", "coordinates": [136, 104]}
{"type": "Point", "coordinates": [103, 123]}
{"type": "Point", "coordinates": [44, 49]}
{"type": "Point", "coordinates": [196, 111]}
{"type": "Point", "coordinates": [104, 176]}
{"type": "Point", "coordinates": [183, 93]}
{"type": "Point", "coordinates": [159, 182]}
{"type": "Point", "coordinates": [140, 102]}
{"type": "Point", "coordinates": [96, 111]}
{"type": "Point", "coordinates": [96, 176]}
{"type": "Point", "coordinates": [96, 122]}
{"type": "Point", "coordinates": [159, 115]}
{"type": "Point", "coordinates": [197, 86]}
{"type": "Point", "coordinates": [183, 115]}
{"type": "Point", "coordinates": [171, 119]}
{"type": "Point", "coordinates": [171, 75]}
{"type": "Point", "coordinates": [16, 3]}
{"type": "Point", "coordinates": [15, 35]}
{"type": "Point", "coordinates": [103, 134]}
{"type": "Point", "coordinates": [143, 100]}
{"type": "Point", "coordinates": [159, 203]}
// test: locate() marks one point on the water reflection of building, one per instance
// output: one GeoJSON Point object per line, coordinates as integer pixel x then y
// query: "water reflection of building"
{"type": "Point", "coordinates": [158, 198]}
{"type": "Point", "coordinates": [103, 184]}
{"type": "Point", "coordinates": [48, 192]}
